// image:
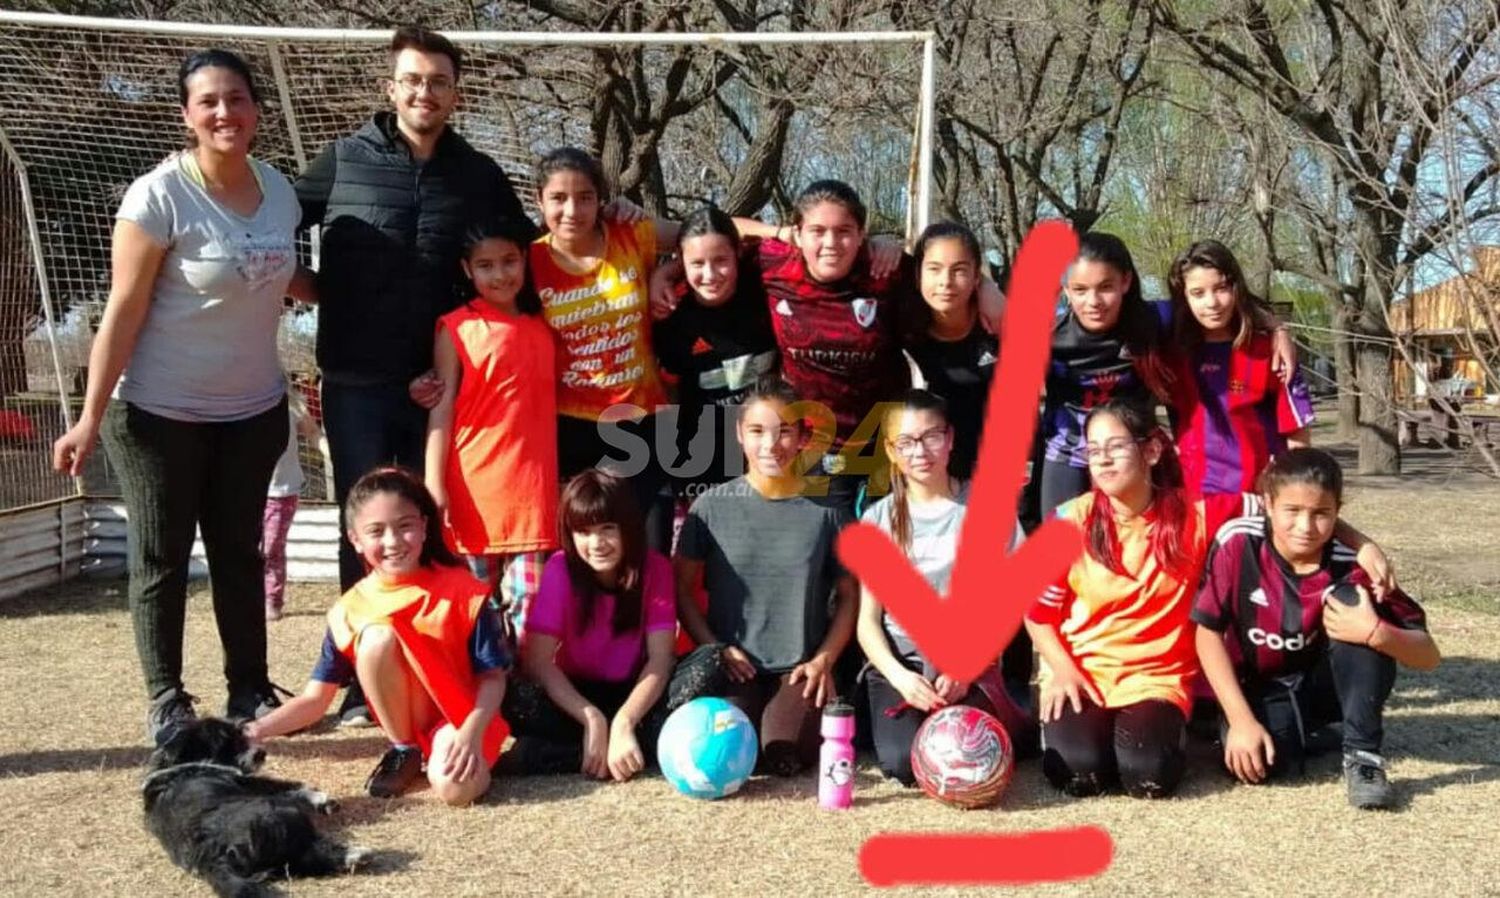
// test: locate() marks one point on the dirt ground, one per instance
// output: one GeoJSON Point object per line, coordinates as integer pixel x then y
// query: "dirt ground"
{"type": "Point", "coordinates": [71, 749]}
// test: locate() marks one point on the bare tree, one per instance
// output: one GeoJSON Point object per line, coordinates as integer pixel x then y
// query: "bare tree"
{"type": "Point", "coordinates": [1334, 70]}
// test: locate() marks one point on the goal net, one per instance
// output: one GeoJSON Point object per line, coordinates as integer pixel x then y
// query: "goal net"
{"type": "Point", "coordinates": [88, 105]}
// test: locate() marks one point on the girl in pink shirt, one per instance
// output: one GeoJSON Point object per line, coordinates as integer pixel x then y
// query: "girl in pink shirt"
{"type": "Point", "coordinates": [598, 651]}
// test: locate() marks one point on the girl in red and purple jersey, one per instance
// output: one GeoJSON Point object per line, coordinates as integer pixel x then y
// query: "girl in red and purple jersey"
{"type": "Point", "coordinates": [1284, 653]}
{"type": "Point", "coordinates": [1231, 408]}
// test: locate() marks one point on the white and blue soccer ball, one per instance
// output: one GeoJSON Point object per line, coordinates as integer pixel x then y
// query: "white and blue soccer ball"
{"type": "Point", "coordinates": [707, 748]}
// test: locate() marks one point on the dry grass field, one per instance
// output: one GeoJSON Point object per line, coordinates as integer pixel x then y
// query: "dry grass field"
{"type": "Point", "coordinates": [71, 750]}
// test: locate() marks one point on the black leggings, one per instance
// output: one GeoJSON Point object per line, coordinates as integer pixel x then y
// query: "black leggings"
{"type": "Point", "coordinates": [1137, 747]}
{"type": "Point", "coordinates": [550, 740]}
{"type": "Point", "coordinates": [1350, 683]}
{"type": "Point", "coordinates": [178, 477]}
{"type": "Point", "coordinates": [893, 735]}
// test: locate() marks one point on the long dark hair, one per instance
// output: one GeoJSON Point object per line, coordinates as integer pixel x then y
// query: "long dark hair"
{"type": "Point", "coordinates": [597, 497]}
{"type": "Point", "coordinates": [911, 401]}
{"type": "Point", "coordinates": [518, 233]}
{"type": "Point", "coordinates": [706, 221]}
{"type": "Point", "coordinates": [1171, 537]}
{"type": "Point", "coordinates": [1137, 326]}
{"type": "Point", "coordinates": [1210, 254]}
{"type": "Point", "coordinates": [917, 316]}
{"type": "Point", "coordinates": [399, 481]}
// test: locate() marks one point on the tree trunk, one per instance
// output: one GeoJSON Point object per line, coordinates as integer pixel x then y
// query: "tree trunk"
{"type": "Point", "coordinates": [1379, 451]}
{"type": "Point", "coordinates": [755, 179]}
{"type": "Point", "coordinates": [1344, 373]}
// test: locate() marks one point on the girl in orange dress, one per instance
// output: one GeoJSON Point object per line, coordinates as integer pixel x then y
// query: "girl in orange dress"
{"type": "Point", "coordinates": [492, 438]}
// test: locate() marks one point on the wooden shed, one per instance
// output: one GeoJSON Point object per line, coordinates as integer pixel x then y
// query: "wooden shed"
{"type": "Point", "coordinates": [1438, 321]}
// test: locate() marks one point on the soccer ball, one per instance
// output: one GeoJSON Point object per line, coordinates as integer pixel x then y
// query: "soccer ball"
{"type": "Point", "coordinates": [707, 748]}
{"type": "Point", "coordinates": [962, 756]}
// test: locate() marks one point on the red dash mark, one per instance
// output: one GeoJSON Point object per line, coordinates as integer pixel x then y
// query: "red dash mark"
{"type": "Point", "coordinates": [990, 591]}
{"type": "Point", "coordinates": [894, 859]}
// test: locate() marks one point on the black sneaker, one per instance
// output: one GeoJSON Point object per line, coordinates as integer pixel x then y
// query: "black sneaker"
{"type": "Point", "coordinates": [254, 703]}
{"type": "Point", "coordinates": [395, 773]}
{"type": "Point", "coordinates": [168, 711]}
{"type": "Point", "coordinates": [1364, 776]}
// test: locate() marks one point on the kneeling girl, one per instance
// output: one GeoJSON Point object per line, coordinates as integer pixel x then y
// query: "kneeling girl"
{"type": "Point", "coordinates": [420, 636]}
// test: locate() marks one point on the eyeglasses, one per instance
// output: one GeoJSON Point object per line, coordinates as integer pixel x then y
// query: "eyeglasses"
{"type": "Point", "coordinates": [932, 441]}
{"type": "Point", "coordinates": [437, 85]}
{"type": "Point", "coordinates": [1113, 448]}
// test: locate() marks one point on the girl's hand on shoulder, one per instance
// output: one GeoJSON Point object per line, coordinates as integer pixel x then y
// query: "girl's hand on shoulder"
{"type": "Point", "coordinates": [663, 289]}
{"type": "Point", "coordinates": [991, 305]}
{"type": "Point", "coordinates": [1283, 353]}
{"type": "Point", "coordinates": [624, 211]}
{"type": "Point", "coordinates": [1067, 687]}
{"type": "Point", "coordinates": [1374, 562]}
{"type": "Point", "coordinates": [625, 756]}
{"type": "Point", "coordinates": [885, 256]}
{"type": "Point", "coordinates": [596, 745]}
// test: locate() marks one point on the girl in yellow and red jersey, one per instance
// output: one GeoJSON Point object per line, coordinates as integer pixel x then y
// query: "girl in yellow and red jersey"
{"type": "Point", "coordinates": [1117, 652]}
{"type": "Point", "coordinates": [592, 275]}
{"type": "Point", "coordinates": [421, 638]}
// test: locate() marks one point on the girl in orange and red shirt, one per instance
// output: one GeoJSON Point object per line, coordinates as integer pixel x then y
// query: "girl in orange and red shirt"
{"type": "Point", "coordinates": [421, 638]}
{"type": "Point", "coordinates": [1117, 652]}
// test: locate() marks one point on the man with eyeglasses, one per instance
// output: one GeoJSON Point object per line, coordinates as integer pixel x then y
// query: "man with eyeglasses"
{"type": "Point", "coordinates": [394, 200]}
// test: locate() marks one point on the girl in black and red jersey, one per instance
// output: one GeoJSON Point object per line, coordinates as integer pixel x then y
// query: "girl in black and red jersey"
{"type": "Point", "coordinates": [1290, 637]}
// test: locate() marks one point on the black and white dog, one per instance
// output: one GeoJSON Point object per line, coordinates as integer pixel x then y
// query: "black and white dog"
{"type": "Point", "coordinates": [219, 821]}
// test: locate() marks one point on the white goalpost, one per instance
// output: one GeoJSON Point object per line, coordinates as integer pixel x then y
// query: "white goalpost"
{"type": "Point", "coordinates": [89, 104]}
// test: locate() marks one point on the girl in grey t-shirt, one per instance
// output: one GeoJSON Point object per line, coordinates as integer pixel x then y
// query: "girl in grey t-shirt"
{"type": "Point", "coordinates": [924, 515]}
{"type": "Point", "coordinates": [202, 257]}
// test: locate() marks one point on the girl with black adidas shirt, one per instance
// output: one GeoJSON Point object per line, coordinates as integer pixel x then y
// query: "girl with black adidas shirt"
{"type": "Point", "coordinates": [717, 346]}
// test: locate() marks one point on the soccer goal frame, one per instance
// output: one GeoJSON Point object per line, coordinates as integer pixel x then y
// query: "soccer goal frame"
{"type": "Point", "coordinates": [51, 528]}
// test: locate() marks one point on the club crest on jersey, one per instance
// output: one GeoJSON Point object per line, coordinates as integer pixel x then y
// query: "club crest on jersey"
{"type": "Point", "coordinates": [986, 358]}
{"type": "Point", "coordinates": [864, 311]}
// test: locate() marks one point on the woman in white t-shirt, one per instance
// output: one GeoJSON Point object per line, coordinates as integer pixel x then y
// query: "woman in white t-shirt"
{"type": "Point", "coordinates": [201, 259]}
{"type": "Point", "coordinates": [924, 515]}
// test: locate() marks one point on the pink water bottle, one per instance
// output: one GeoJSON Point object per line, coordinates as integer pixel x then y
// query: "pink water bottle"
{"type": "Point", "coordinates": [836, 760]}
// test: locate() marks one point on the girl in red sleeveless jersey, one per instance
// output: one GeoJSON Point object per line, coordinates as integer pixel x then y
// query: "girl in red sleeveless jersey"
{"type": "Point", "coordinates": [492, 437]}
{"type": "Point", "coordinates": [419, 635]}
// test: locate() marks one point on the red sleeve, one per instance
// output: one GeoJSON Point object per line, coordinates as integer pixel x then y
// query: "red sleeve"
{"type": "Point", "coordinates": [1050, 607]}
{"type": "Point", "coordinates": [1398, 609]}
